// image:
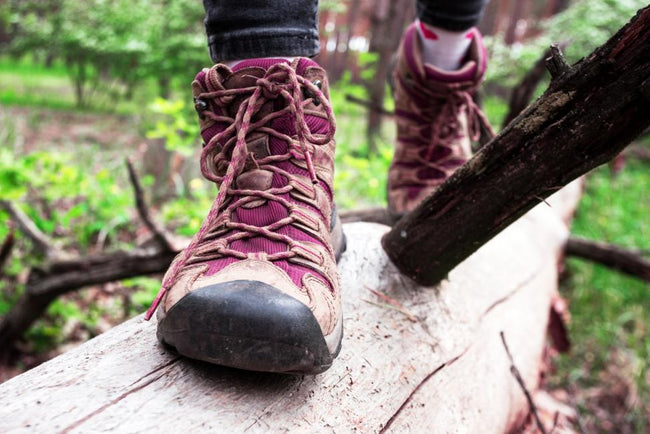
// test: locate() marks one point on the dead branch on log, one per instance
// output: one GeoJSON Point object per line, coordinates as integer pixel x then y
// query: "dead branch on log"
{"type": "Point", "coordinates": [630, 262]}
{"type": "Point", "coordinates": [587, 116]}
{"type": "Point", "coordinates": [521, 94]}
{"type": "Point", "coordinates": [515, 373]}
{"type": "Point", "coordinates": [627, 261]}
{"type": "Point", "coordinates": [7, 246]}
{"type": "Point", "coordinates": [556, 63]}
{"type": "Point", "coordinates": [158, 232]}
{"type": "Point", "coordinates": [41, 242]}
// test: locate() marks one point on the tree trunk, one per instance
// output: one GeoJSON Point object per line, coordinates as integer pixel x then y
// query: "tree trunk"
{"type": "Point", "coordinates": [388, 21]}
{"type": "Point", "coordinates": [587, 116]}
{"type": "Point", "coordinates": [516, 14]}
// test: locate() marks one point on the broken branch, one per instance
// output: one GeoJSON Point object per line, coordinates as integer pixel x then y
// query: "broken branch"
{"type": "Point", "coordinates": [630, 262]}
{"type": "Point", "coordinates": [41, 242]}
{"type": "Point", "coordinates": [556, 63]}
{"type": "Point", "coordinates": [143, 210]}
{"type": "Point", "coordinates": [521, 94]}
{"type": "Point", "coordinates": [43, 287]}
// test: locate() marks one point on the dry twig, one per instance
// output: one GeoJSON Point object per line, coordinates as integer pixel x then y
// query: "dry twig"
{"type": "Point", "coordinates": [143, 210]}
{"type": "Point", "coordinates": [42, 243]}
{"type": "Point", "coordinates": [392, 303]}
{"type": "Point", "coordinates": [369, 105]}
{"type": "Point", "coordinates": [522, 384]}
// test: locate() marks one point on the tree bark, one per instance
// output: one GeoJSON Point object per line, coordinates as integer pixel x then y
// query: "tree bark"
{"type": "Point", "coordinates": [388, 20]}
{"type": "Point", "coordinates": [523, 92]}
{"type": "Point", "coordinates": [586, 117]}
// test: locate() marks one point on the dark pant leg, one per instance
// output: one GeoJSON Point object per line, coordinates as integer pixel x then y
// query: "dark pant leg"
{"type": "Point", "coordinates": [243, 29]}
{"type": "Point", "coordinates": [454, 15]}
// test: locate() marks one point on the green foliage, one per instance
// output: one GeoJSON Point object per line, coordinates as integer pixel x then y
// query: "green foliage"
{"type": "Point", "coordinates": [610, 322]}
{"type": "Point", "coordinates": [82, 202]}
{"type": "Point", "coordinates": [145, 288]}
{"type": "Point", "coordinates": [176, 40]}
{"type": "Point", "coordinates": [176, 125]}
{"type": "Point", "coordinates": [112, 46]}
{"type": "Point", "coordinates": [186, 214]}
{"type": "Point", "coordinates": [585, 26]}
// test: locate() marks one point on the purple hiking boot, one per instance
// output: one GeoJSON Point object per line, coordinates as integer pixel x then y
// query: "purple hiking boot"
{"type": "Point", "coordinates": [258, 288]}
{"type": "Point", "coordinates": [436, 121]}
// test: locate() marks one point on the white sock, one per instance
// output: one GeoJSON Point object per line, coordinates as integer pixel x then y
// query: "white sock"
{"type": "Point", "coordinates": [443, 48]}
{"type": "Point", "coordinates": [231, 64]}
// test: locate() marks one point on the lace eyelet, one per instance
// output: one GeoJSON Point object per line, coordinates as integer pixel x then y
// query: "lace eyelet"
{"type": "Point", "coordinates": [200, 105]}
{"type": "Point", "coordinates": [308, 94]}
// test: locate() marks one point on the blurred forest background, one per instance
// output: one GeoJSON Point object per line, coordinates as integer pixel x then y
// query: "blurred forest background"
{"type": "Point", "coordinates": [86, 84]}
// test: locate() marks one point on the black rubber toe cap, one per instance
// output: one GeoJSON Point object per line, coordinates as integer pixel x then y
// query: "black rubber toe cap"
{"type": "Point", "coordinates": [249, 325]}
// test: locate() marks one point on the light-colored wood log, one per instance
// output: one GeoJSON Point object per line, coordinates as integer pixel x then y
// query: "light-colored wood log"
{"type": "Point", "coordinates": [445, 371]}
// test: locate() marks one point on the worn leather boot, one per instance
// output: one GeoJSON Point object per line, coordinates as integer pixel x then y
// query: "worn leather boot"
{"type": "Point", "coordinates": [258, 288]}
{"type": "Point", "coordinates": [436, 121]}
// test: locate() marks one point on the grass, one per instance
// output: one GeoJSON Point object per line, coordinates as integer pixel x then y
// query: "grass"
{"type": "Point", "coordinates": [25, 83]}
{"type": "Point", "coordinates": [610, 323]}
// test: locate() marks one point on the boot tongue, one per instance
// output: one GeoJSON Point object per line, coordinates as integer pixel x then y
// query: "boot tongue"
{"type": "Point", "coordinates": [300, 64]}
{"type": "Point", "coordinates": [264, 63]}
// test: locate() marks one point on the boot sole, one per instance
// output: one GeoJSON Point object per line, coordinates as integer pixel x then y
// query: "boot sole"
{"type": "Point", "coordinates": [247, 324]}
{"type": "Point", "coordinates": [250, 325]}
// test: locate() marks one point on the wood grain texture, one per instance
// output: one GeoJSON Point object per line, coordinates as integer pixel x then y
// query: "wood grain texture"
{"type": "Point", "coordinates": [446, 369]}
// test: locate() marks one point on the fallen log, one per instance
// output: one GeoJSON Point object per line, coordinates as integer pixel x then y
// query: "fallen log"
{"type": "Point", "coordinates": [435, 363]}
{"type": "Point", "coordinates": [589, 113]}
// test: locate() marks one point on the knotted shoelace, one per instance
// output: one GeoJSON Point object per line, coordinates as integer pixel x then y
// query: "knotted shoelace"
{"type": "Point", "coordinates": [445, 126]}
{"type": "Point", "coordinates": [229, 146]}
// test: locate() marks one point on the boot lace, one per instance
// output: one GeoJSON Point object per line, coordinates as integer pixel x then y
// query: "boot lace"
{"type": "Point", "coordinates": [445, 127]}
{"type": "Point", "coordinates": [228, 147]}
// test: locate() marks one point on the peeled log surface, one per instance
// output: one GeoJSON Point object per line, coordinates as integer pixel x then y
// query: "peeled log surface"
{"type": "Point", "coordinates": [446, 369]}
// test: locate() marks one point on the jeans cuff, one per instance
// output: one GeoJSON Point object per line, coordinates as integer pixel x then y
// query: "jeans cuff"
{"type": "Point", "coordinates": [262, 44]}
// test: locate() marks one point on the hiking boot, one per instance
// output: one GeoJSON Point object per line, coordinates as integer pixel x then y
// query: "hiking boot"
{"type": "Point", "coordinates": [258, 288]}
{"type": "Point", "coordinates": [436, 121]}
